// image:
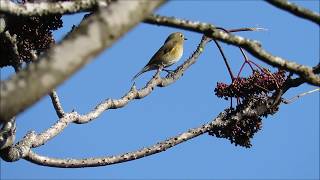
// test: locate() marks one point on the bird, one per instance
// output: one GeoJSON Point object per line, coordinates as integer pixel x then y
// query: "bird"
{"type": "Point", "coordinates": [168, 54]}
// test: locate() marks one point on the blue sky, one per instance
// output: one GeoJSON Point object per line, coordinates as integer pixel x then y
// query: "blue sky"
{"type": "Point", "coordinates": [286, 148]}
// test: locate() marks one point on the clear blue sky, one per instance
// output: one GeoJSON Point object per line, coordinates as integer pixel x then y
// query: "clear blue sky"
{"type": "Point", "coordinates": [286, 148]}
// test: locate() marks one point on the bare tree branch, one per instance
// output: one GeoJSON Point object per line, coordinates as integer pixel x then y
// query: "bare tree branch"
{"type": "Point", "coordinates": [46, 8]}
{"type": "Point", "coordinates": [96, 33]}
{"type": "Point", "coordinates": [251, 46]}
{"type": "Point", "coordinates": [296, 10]}
{"type": "Point", "coordinates": [103, 161]}
{"type": "Point", "coordinates": [254, 108]}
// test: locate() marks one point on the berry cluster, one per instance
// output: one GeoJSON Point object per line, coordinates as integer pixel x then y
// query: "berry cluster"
{"type": "Point", "coordinates": [260, 82]}
{"type": "Point", "coordinates": [239, 126]}
{"type": "Point", "coordinates": [33, 35]}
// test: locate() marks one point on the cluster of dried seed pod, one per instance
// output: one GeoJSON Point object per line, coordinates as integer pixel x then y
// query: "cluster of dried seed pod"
{"type": "Point", "coordinates": [259, 82]}
{"type": "Point", "coordinates": [253, 89]}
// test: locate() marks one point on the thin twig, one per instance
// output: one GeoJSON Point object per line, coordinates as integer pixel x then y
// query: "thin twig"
{"type": "Point", "coordinates": [242, 29]}
{"type": "Point", "coordinates": [246, 59]}
{"type": "Point", "coordinates": [224, 59]}
{"type": "Point", "coordinates": [248, 29]}
{"type": "Point", "coordinates": [288, 101]}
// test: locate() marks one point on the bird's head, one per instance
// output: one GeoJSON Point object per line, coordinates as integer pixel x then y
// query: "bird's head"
{"type": "Point", "coordinates": [177, 36]}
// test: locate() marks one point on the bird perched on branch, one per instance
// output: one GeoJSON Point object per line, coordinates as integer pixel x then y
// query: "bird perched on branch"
{"type": "Point", "coordinates": [170, 52]}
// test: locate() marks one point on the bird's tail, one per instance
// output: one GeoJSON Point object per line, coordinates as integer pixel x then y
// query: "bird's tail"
{"type": "Point", "coordinates": [145, 69]}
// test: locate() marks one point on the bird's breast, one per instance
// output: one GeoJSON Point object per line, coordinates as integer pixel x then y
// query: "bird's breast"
{"type": "Point", "coordinates": [174, 55]}
{"type": "Point", "coordinates": [178, 51]}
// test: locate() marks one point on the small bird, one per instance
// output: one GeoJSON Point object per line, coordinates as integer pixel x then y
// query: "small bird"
{"type": "Point", "coordinates": [170, 53]}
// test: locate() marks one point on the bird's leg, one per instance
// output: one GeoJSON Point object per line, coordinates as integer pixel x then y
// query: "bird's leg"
{"type": "Point", "coordinates": [166, 70]}
{"type": "Point", "coordinates": [169, 71]}
{"type": "Point", "coordinates": [162, 66]}
{"type": "Point", "coordinates": [158, 71]}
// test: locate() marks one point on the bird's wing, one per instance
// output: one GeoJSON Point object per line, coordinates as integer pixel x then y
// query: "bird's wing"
{"type": "Point", "coordinates": [163, 51]}
{"type": "Point", "coordinates": [156, 59]}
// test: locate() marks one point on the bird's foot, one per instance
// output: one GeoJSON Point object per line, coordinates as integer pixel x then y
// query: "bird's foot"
{"type": "Point", "coordinates": [168, 71]}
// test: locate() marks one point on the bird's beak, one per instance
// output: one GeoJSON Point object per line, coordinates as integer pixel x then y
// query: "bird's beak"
{"type": "Point", "coordinates": [185, 38]}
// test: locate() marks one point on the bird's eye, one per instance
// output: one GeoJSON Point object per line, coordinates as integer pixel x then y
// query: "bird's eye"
{"type": "Point", "coordinates": [181, 35]}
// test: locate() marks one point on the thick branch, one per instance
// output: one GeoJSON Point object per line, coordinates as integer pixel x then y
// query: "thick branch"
{"type": "Point", "coordinates": [46, 8]}
{"type": "Point", "coordinates": [251, 46]}
{"type": "Point", "coordinates": [296, 10]}
{"type": "Point", "coordinates": [96, 33]}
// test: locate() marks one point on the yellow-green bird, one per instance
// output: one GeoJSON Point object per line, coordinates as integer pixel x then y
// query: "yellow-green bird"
{"type": "Point", "coordinates": [170, 53]}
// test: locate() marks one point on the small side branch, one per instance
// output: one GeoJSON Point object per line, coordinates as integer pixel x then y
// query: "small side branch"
{"type": "Point", "coordinates": [296, 10]}
{"type": "Point", "coordinates": [224, 59]}
{"type": "Point", "coordinates": [56, 103]}
{"type": "Point", "coordinates": [288, 101]}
